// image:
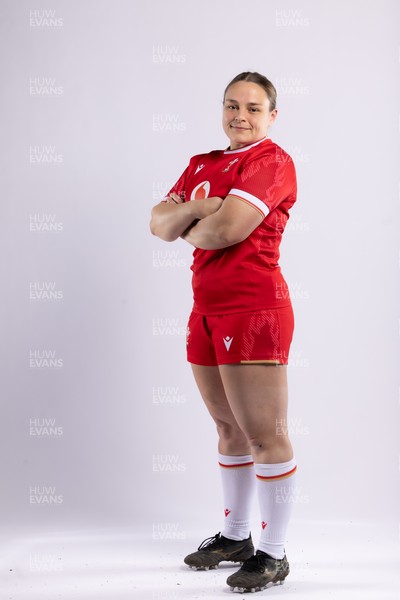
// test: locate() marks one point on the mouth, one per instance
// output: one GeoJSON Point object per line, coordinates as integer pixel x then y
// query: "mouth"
{"type": "Point", "coordinates": [240, 128]}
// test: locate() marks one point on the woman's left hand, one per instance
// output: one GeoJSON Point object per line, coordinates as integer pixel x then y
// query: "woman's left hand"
{"type": "Point", "coordinates": [174, 198]}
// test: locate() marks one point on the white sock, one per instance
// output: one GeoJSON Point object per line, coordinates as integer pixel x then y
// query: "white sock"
{"type": "Point", "coordinates": [238, 485]}
{"type": "Point", "coordinates": [276, 491]}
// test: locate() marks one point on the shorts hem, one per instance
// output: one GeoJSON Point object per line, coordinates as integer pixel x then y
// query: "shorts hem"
{"type": "Point", "coordinates": [236, 361]}
{"type": "Point", "coordinates": [201, 362]}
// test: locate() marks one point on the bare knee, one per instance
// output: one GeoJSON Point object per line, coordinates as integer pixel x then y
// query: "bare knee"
{"type": "Point", "coordinates": [228, 432]}
{"type": "Point", "coordinates": [232, 440]}
{"type": "Point", "coordinates": [270, 448]}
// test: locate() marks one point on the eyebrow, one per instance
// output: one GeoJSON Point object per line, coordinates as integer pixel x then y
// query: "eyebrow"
{"type": "Point", "coordinates": [251, 103]}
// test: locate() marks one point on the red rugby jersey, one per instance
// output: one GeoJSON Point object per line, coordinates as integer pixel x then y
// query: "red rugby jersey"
{"type": "Point", "coordinates": [246, 276]}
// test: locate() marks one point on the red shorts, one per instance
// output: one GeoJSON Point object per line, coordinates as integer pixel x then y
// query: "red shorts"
{"type": "Point", "coordinates": [250, 337]}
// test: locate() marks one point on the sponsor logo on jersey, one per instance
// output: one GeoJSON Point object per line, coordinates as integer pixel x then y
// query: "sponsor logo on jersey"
{"type": "Point", "coordinates": [227, 341]}
{"type": "Point", "coordinates": [263, 524]}
{"type": "Point", "coordinates": [227, 511]}
{"type": "Point", "coordinates": [199, 168]}
{"type": "Point", "coordinates": [229, 165]}
{"type": "Point", "coordinates": [201, 191]}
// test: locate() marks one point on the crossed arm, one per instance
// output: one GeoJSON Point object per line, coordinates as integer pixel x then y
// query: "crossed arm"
{"type": "Point", "coordinates": [209, 224]}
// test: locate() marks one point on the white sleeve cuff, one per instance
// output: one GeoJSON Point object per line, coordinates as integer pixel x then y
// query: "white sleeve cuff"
{"type": "Point", "coordinates": [256, 202]}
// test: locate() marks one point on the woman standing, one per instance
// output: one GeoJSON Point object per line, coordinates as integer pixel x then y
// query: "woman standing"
{"type": "Point", "coordinates": [232, 206]}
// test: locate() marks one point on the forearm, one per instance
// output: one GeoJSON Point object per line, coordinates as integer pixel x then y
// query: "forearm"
{"type": "Point", "coordinates": [169, 220]}
{"type": "Point", "coordinates": [208, 234]}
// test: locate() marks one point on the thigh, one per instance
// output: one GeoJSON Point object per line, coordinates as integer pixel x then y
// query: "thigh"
{"type": "Point", "coordinates": [232, 439]}
{"type": "Point", "coordinates": [258, 397]}
{"type": "Point", "coordinates": [208, 380]}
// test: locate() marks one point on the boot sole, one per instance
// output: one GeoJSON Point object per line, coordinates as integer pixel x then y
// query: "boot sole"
{"type": "Point", "coordinates": [278, 580]}
{"type": "Point", "coordinates": [239, 560]}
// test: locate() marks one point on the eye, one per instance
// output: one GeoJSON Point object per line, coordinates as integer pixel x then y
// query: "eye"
{"type": "Point", "coordinates": [231, 106]}
{"type": "Point", "coordinates": [254, 110]}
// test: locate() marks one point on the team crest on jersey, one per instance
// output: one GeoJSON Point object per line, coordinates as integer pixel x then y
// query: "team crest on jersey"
{"type": "Point", "coordinates": [229, 165]}
{"type": "Point", "coordinates": [201, 191]}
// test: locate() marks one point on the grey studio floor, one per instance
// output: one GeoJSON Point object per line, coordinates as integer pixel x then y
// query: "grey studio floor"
{"type": "Point", "coordinates": [328, 560]}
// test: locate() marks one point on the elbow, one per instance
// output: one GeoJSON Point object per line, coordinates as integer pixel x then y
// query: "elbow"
{"type": "Point", "coordinates": [154, 228]}
{"type": "Point", "coordinates": [154, 224]}
{"type": "Point", "coordinates": [159, 232]}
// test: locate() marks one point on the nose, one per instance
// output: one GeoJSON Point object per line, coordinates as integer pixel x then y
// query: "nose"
{"type": "Point", "coordinates": [240, 115]}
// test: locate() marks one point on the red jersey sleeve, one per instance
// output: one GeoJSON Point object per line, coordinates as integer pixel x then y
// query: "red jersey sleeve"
{"type": "Point", "coordinates": [179, 187]}
{"type": "Point", "coordinates": [266, 181]}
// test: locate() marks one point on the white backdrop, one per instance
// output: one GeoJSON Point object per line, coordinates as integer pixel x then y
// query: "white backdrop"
{"type": "Point", "coordinates": [103, 102]}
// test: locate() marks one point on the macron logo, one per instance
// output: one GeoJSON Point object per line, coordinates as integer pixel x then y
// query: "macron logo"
{"type": "Point", "coordinates": [227, 341]}
{"type": "Point", "coordinates": [199, 168]}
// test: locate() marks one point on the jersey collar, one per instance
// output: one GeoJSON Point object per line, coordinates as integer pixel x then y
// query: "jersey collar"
{"type": "Point", "coordinates": [245, 148]}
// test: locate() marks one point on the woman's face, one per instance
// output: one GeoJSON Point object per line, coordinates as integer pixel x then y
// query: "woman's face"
{"type": "Point", "coordinates": [246, 115]}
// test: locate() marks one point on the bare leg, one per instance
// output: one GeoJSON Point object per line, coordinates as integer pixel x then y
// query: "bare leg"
{"type": "Point", "coordinates": [258, 397]}
{"type": "Point", "coordinates": [236, 465]}
{"type": "Point", "coordinates": [232, 440]}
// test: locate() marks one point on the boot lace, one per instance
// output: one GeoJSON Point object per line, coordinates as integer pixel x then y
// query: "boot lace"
{"type": "Point", "coordinates": [211, 543]}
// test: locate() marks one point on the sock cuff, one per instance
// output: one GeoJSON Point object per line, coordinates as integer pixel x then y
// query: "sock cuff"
{"type": "Point", "coordinates": [231, 462]}
{"type": "Point", "coordinates": [275, 471]}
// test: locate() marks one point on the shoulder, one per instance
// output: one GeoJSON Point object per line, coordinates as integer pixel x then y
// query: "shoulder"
{"type": "Point", "coordinates": [271, 151]}
{"type": "Point", "coordinates": [268, 157]}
